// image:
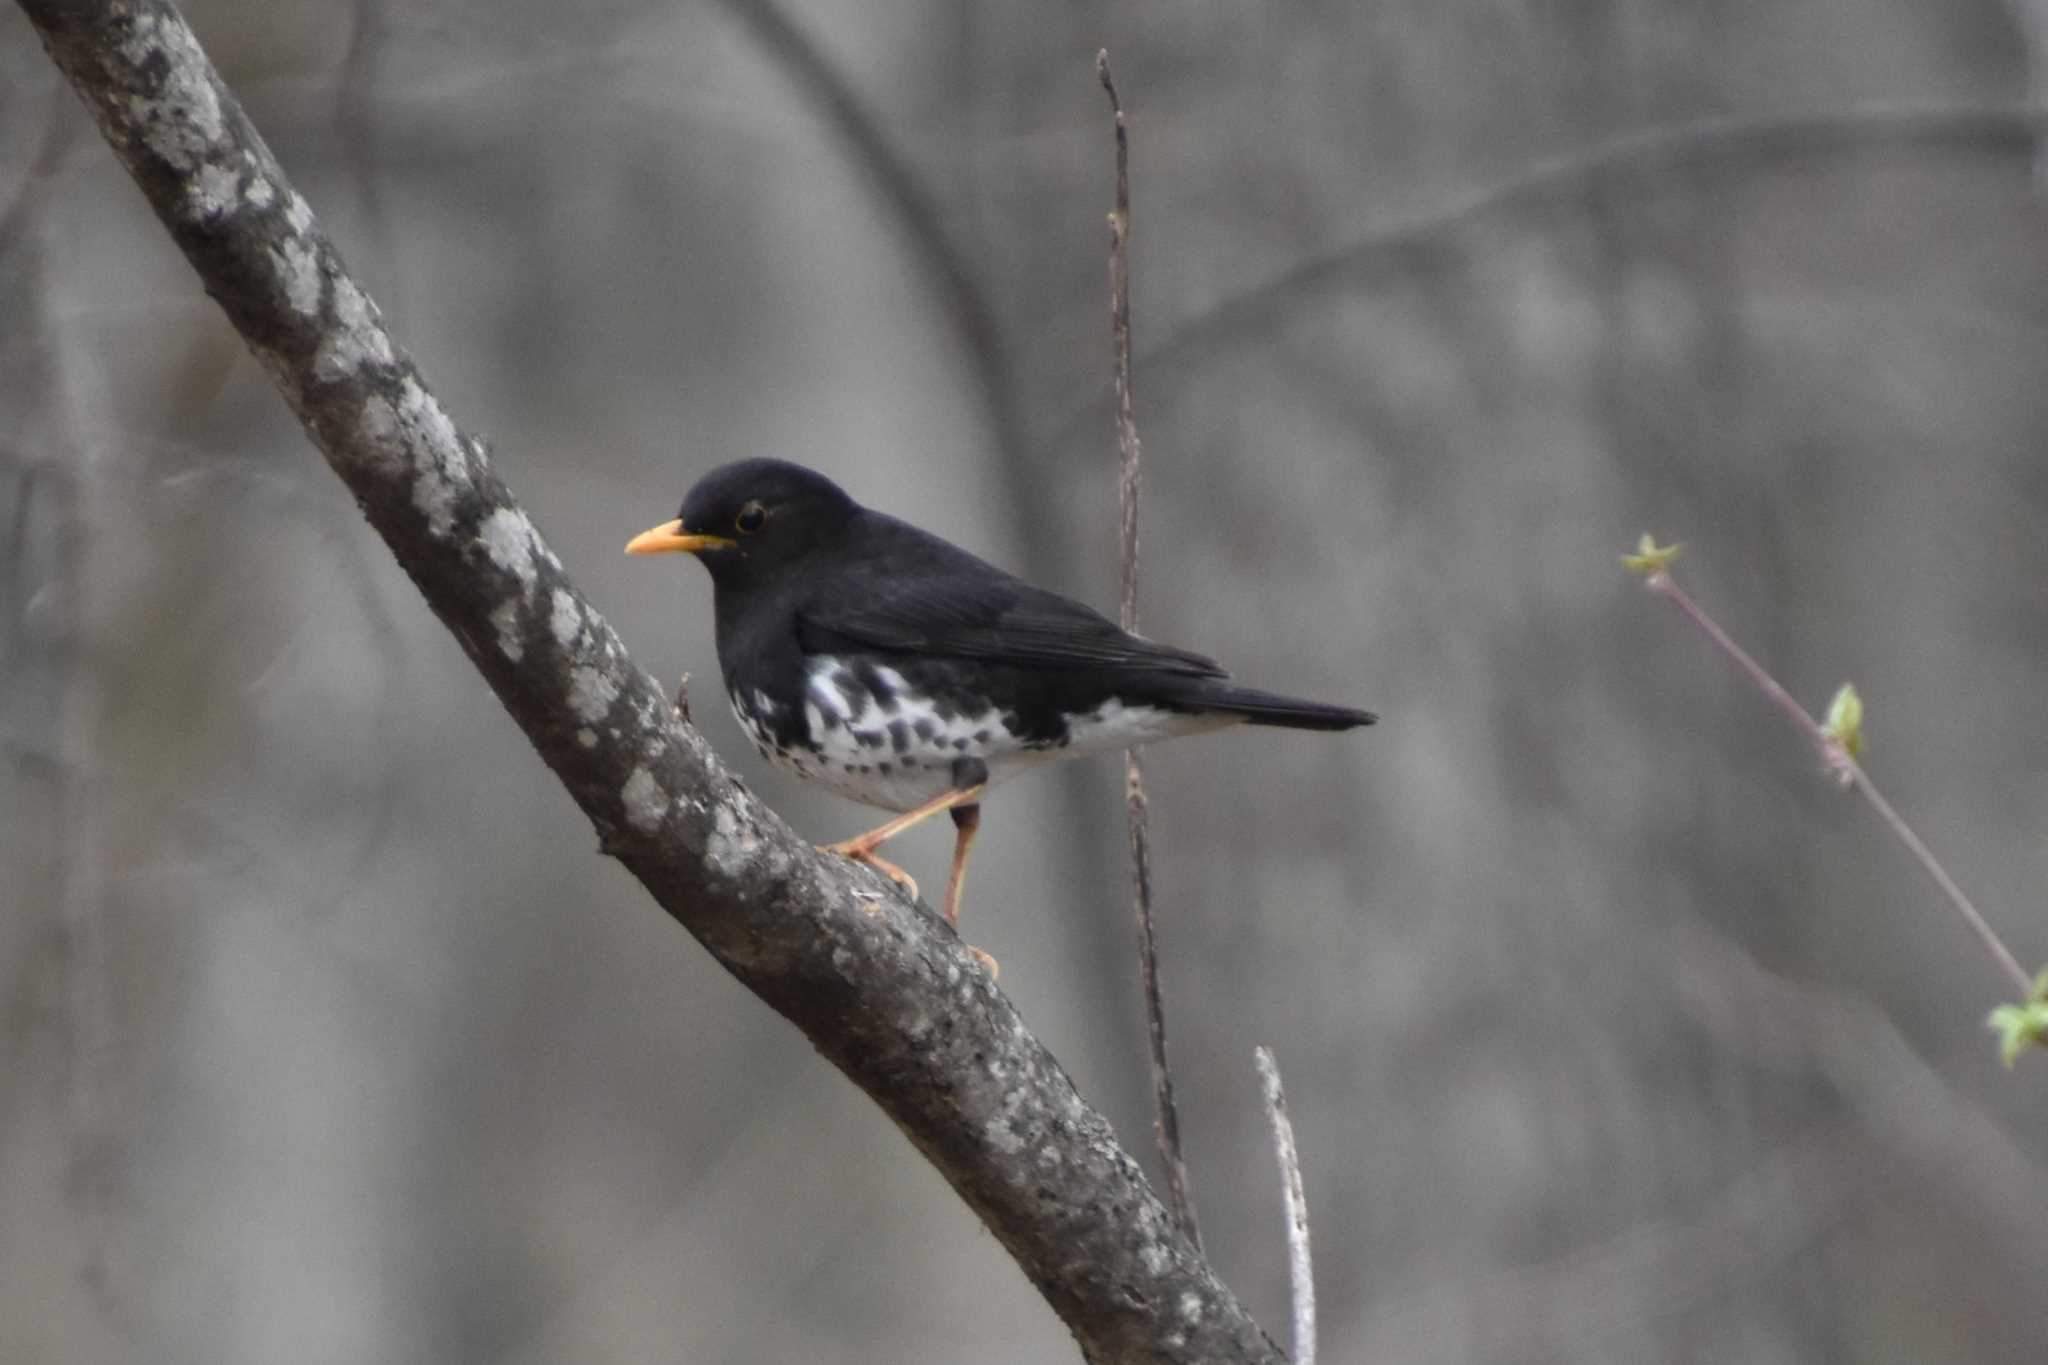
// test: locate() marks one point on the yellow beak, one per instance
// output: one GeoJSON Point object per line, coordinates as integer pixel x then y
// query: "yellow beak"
{"type": "Point", "coordinates": [669, 538]}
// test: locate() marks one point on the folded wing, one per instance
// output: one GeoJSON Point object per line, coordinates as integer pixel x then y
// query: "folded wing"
{"type": "Point", "coordinates": [957, 606]}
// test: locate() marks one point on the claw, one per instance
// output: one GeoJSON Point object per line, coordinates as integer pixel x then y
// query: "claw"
{"type": "Point", "coordinates": [862, 852]}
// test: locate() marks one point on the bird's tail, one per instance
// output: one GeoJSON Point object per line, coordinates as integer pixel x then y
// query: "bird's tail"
{"type": "Point", "coordinates": [1270, 708]}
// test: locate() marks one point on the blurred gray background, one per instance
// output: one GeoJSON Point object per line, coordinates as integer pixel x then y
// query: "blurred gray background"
{"type": "Point", "coordinates": [1612, 1032]}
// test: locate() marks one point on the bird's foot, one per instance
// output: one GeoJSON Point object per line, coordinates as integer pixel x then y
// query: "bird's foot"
{"type": "Point", "coordinates": [994, 968]}
{"type": "Point", "coordinates": [863, 852]}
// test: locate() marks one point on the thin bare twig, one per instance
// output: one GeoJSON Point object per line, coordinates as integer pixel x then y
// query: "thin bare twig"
{"type": "Point", "coordinates": [1168, 1114]}
{"type": "Point", "coordinates": [1301, 1272]}
{"type": "Point", "coordinates": [1838, 759]}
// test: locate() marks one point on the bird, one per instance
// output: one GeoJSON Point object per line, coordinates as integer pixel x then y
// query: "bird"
{"type": "Point", "coordinates": [902, 672]}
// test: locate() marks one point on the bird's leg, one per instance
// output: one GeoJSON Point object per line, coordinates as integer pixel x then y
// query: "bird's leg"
{"type": "Point", "coordinates": [963, 799]}
{"type": "Point", "coordinates": [969, 774]}
{"type": "Point", "coordinates": [966, 821]}
{"type": "Point", "coordinates": [861, 848]}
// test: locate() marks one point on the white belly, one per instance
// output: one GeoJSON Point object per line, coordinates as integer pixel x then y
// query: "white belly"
{"type": "Point", "coordinates": [894, 752]}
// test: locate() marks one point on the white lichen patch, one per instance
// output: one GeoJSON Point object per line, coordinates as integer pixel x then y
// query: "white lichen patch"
{"type": "Point", "coordinates": [731, 846]}
{"type": "Point", "coordinates": [1154, 1258]}
{"type": "Point", "coordinates": [258, 193]}
{"type": "Point", "coordinates": [545, 553]}
{"type": "Point", "coordinates": [508, 538]}
{"type": "Point", "coordinates": [505, 620]}
{"type": "Point", "coordinates": [435, 497]}
{"type": "Point", "coordinates": [1000, 1135]}
{"type": "Point", "coordinates": [587, 737]}
{"type": "Point", "coordinates": [354, 312]}
{"type": "Point", "coordinates": [298, 212]}
{"type": "Point", "coordinates": [591, 693]}
{"type": "Point", "coordinates": [421, 413]}
{"type": "Point", "coordinates": [565, 618]}
{"type": "Point", "coordinates": [377, 426]}
{"type": "Point", "coordinates": [1191, 1307]}
{"type": "Point", "coordinates": [434, 448]}
{"type": "Point", "coordinates": [182, 122]}
{"type": "Point", "coordinates": [212, 191]}
{"type": "Point", "coordinates": [298, 269]}
{"type": "Point", "coordinates": [356, 338]}
{"type": "Point", "coordinates": [643, 799]}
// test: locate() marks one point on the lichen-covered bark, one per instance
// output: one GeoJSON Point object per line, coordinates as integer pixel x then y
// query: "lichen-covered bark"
{"type": "Point", "coordinates": [880, 986]}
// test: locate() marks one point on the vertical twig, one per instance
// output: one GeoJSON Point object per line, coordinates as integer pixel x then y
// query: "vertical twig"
{"type": "Point", "coordinates": [1120, 333]}
{"type": "Point", "coordinates": [1168, 1122]}
{"type": "Point", "coordinates": [1300, 1265]}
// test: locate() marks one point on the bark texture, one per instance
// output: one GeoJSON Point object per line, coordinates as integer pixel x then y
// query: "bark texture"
{"type": "Point", "coordinates": [881, 987]}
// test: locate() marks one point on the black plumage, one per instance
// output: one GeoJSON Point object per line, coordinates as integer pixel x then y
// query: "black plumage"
{"type": "Point", "coordinates": [902, 671]}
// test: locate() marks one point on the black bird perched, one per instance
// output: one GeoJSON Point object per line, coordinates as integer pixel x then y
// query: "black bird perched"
{"type": "Point", "coordinates": [900, 671]}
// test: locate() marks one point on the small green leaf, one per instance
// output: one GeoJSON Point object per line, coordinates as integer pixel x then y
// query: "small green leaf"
{"type": "Point", "coordinates": [1650, 557]}
{"type": "Point", "coordinates": [1845, 720]}
{"type": "Point", "coordinates": [2022, 1028]}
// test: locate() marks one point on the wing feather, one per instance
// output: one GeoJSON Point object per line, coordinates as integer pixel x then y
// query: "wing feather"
{"type": "Point", "coordinates": [942, 601]}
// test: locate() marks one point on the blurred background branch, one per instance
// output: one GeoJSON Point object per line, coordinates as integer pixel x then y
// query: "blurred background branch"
{"type": "Point", "coordinates": [912, 207]}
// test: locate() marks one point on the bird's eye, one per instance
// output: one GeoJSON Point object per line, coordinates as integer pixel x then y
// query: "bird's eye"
{"type": "Point", "coordinates": [752, 518]}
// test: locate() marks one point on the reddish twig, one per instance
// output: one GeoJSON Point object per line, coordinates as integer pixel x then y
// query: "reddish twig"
{"type": "Point", "coordinates": [1835, 753]}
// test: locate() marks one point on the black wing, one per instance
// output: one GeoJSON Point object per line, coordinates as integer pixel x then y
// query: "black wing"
{"type": "Point", "coordinates": [932, 598]}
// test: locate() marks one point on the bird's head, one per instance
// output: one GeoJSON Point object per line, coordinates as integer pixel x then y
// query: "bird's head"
{"type": "Point", "coordinates": [749, 519]}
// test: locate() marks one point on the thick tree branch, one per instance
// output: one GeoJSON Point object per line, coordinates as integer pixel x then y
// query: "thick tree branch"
{"type": "Point", "coordinates": [879, 986]}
